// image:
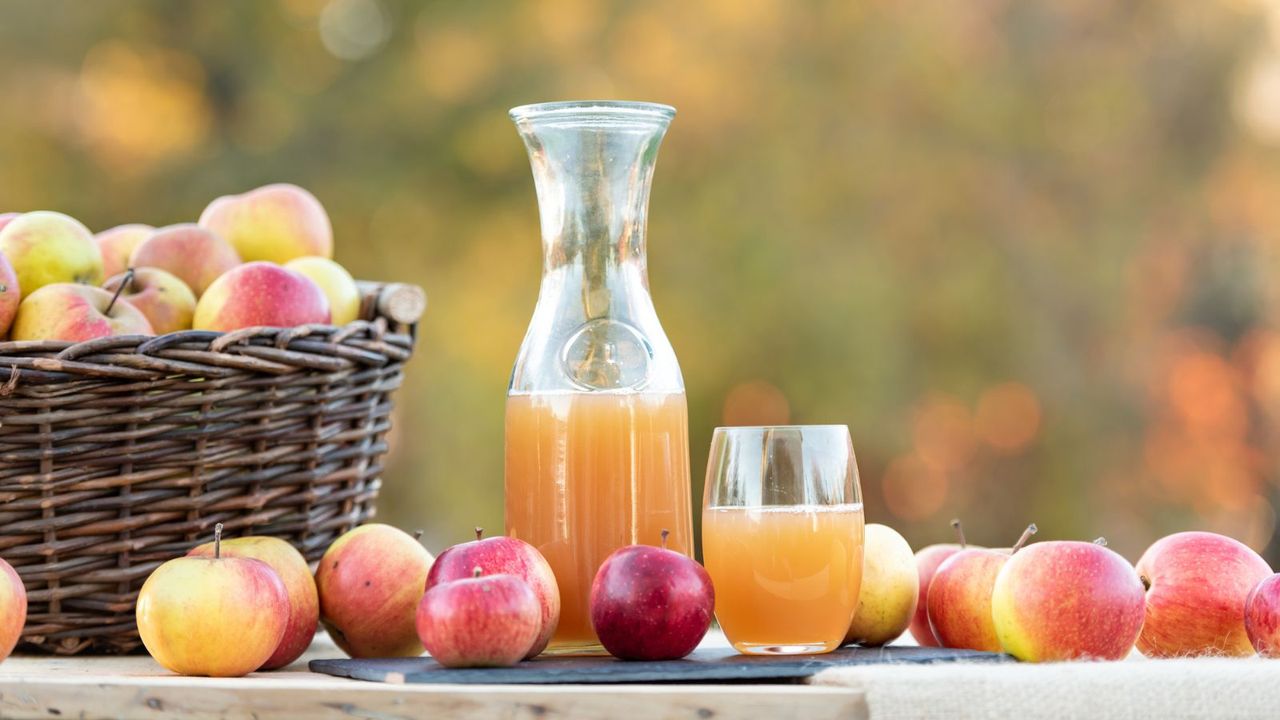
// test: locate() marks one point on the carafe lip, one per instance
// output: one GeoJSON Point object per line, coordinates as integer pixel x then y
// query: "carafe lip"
{"type": "Point", "coordinates": [594, 113]}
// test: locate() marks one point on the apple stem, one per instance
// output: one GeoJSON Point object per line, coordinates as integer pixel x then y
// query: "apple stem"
{"type": "Point", "coordinates": [1100, 541]}
{"type": "Point", "coordinates": [955, 525]}
{"type": "Point", "coordinates": [665, 533]}
{"type": "Point", "coordinates": [476, 572]}
{"type": "Point", "coordinates": [128, 280]}
{"type": "Point", "coordinates": [479, 532]}
{"type": "Point", "coordinates": [217, 541]}
{"type": "Point", "coordinates": [417, 534]}
{"type": "Point", "coordinates": [1026, 535]}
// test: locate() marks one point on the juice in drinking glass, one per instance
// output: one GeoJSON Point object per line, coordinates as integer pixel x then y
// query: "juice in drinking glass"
{"type": "Point", "coordinates": [782, 536]}
{"type": "Point", "coordinates": [786, 577]}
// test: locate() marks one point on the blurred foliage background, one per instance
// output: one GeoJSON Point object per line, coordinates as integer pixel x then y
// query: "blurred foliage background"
{"type": "Point", "coordinates": [1026, 250]}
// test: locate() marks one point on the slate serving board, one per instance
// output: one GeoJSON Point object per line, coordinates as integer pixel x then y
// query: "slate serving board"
{"type": "Point", "coordinates": [715, 664]}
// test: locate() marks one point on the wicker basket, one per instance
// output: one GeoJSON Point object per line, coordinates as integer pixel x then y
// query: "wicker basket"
{"type": "Point", "coordinates": [120, 453]}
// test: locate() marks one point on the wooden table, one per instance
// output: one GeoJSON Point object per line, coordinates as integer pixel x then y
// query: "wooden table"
{"type": "Point", "coordinates": [136, 687]}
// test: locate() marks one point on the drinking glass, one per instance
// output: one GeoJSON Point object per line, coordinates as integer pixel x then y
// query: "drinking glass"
{"type": "Point", "coordinates": [782, 536]}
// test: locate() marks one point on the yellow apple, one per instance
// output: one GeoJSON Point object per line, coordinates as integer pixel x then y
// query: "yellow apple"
{"type": "Point", "coordinates": [337, 284]}
{"type": "Point", "coordinates": [216, 616]}
{"type": "Point", "coordinates": [166, 301]}
{"type": "Point", "coordinates": [49, 247]}
{"type": "Point", "coordinates": [890, 588]}
{"type": "Point", "coordinates": [276, 223]}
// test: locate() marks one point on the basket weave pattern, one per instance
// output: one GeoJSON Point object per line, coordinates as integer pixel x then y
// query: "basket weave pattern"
{"type": "Point", "coordinates": [121, 453]}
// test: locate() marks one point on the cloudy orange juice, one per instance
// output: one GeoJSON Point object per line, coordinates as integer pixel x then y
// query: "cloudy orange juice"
{"type": "Point", "coordinates": [786, 577]}
{"type": "Point", "coordinates": [587, 473]}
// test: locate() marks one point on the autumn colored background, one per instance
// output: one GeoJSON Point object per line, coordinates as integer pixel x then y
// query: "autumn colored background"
{"type": "Point", "coordinates": [1026, 250]}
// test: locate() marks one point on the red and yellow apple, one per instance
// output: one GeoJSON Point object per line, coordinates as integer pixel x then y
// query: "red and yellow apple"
{"type": "Point", "coordinates": [304, 602]}
{"type": "Point", "coordinates": [1262, 617]}
{"type": "Point", "coordinates": [480, 621]}
{"type": "Point", "coordinates": [49, 247]}
{"type": "Point", "coordinates": [276, 223]}
{"type": "Point", "coordinates": [216, 616]}
{"type": "Point", "coordinates": [6, 218]}
{"type": "Point", "coordinates": [192, 253]}
{"type": "Point", "coordinates": [370, 582]}
{"type": "Point", "coordinates": [75, 313]}
{"type": "Point", "coordinates": [166, 301]}
{"type": "Point", "coordinates": [117, 244]}
{"type": "Point", "coordinates": [890, 588]}
{"type": "Point", "coordinates": [260, 294]}
{"type": "Point", "coordinates": [1197, 584]}
{"type": "Point", "coordinates": [10, 295]}
{"type": "Point", "coordinates": [337, 284]}
{"type": "Point", "coordinates": [959, 597]}
{"type": "Point", "coordinates": [13, 608]}
{"type": "Point", "coordinates": [1067, 600]}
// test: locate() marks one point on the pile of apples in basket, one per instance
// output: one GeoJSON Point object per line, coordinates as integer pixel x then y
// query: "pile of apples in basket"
{"type": "Point", "coordinates": [257, 259]}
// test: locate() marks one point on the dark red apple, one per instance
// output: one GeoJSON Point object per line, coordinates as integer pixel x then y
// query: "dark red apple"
{"type": "Point", "coordinates": [509, 556]}
{"type": "Point", "coordinates": [480, 621]}
{"type": "Point", "coordinates": [1262, 617]}
{"type": "Point", "coordinates": [651, 603]}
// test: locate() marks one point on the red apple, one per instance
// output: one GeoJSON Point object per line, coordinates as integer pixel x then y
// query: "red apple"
{"type": "Point", "coordinates": [277, 222]}
{"type": "Point", "coordinates": [13, 608]}
{"type": "Point", "coordinates": [479, 621]}
{"type": "Point", "coordinates": [1197, 584]}
{"type": "Point", "coordinates": [651, 603]}
{"type": "Point", "coordinates": [216, 616]}
{"type": "Point", "coordinates": [959, 598]}
{"type": "Point", "coordinates": [260, 294]}
{"type": "Point", "coordinates": [1066, 600]}
{"type": "Point", "coordinates": [10, 295]}
{"type": "Point", "coordinates": [505, 555]}
{"type": "Point", "coordinates": [304, 603]}
{"type": "Point", "coordinates": [370, 581]}
{"type": "Point", "coordinates": [75, 313]}
{"type": "Point", "coordinates": [928, 559]}
{"type": "Point", "coordinates": [193, 254]}
{"type": "Point", "coordinates": [1262, 617]}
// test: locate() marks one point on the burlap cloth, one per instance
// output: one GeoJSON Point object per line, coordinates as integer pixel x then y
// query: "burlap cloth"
{"type": "Point", "coordinates": [1137, 688]}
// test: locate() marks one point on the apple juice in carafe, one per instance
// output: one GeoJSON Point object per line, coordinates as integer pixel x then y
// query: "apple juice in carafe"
{"type": "Point", "coordinates": [597, 453]}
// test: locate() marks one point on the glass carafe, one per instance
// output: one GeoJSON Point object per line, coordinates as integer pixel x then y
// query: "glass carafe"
{"type": "Point", "coordinates": [597, 442]}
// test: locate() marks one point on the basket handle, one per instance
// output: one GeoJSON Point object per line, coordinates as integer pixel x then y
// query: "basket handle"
{"type": "Point", "coordinates": [400, 303]}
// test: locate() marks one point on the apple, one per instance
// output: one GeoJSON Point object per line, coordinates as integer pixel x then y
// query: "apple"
{"type": "Point", "coordinates": [370, 582]}
{"type": "Point", "coordinates": [480, 621]}
{"type": "Point", "coordinates": [337, 284]}
{"type": "Point", "coordinates": [1067, 600]}
{"type": "Point", "coordinates": [196, 255]}
{"type": "Point", "coordinates": [890, 588]}
{"type": "Point", "coordinates": [959, 597]}
{"type": "Point", "coordinates": [10, 295]}
{"type": "Point", "coordinates": [216, 616]}
{"type": "Point", "coordinates": [49, 247]}
{"type": "Point", "coordinates": [6, 218]}
{"type": "Point", "coordinates": [260, 294]}
{"type": "Point", "coordinates": [511, 556]}
{"type": "Point", "coordinates": [651, 603]}
{"type": "Point", "coordinates": [117, 244]}
{"type": "Point", "coordinates": [1262, 617]}
{"type": "Point", "coordinates": [1197, 584]}
{"type": "Point", "coordinates": [928, 559]}
{"type": "Point", "coordinates": [75, 313]}
{"type": "Point", "coordinates": [304, 602]}
{"type": "Point", "coordinates": [13, 608]}
{"type": "Point", "coordinates": [275, 222]}
{"type": "Point", "coordinates": [166, 301]}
